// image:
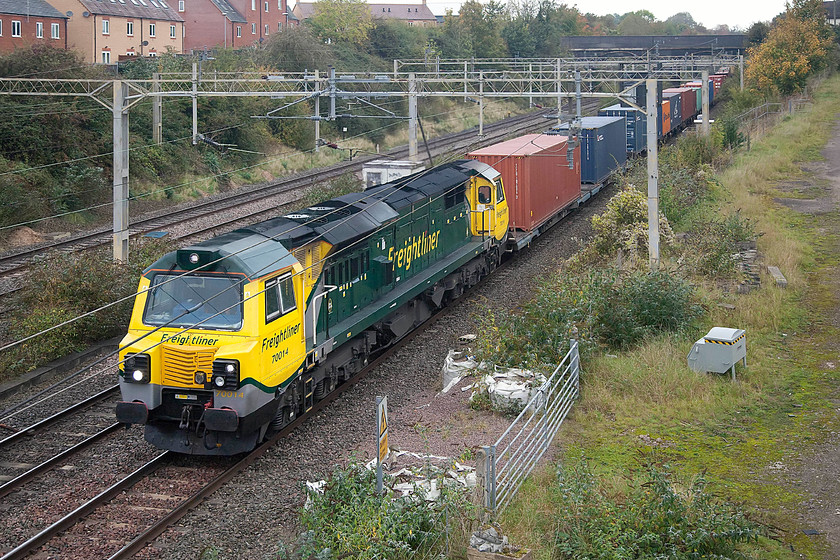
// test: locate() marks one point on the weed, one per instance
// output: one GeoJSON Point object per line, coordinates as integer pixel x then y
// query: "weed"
{"type": "Point", "coordinates": [657, 516]}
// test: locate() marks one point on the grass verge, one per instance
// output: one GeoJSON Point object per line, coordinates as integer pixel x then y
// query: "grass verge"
{"type": "Point", "coordinates": [645, 405]}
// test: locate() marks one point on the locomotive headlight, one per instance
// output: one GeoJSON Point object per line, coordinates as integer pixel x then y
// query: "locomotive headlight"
{"type": "Point", "coordinates": [225, 374]}
{"type": "Point", "coordinates": [194, 258]}
{"type": "Point", "coordinates": [137, 368]}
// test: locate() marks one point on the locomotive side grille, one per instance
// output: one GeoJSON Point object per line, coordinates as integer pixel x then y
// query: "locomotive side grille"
{"type": "Point", "coordinates": [181, 362]}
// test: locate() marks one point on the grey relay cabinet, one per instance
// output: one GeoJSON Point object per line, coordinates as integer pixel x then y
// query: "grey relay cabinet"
{"type": "Point", "coordinates": [719, 351]}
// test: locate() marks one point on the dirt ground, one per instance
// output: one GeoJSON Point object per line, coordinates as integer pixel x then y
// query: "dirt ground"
{"type": "Point", "coordinates": [816, 474]}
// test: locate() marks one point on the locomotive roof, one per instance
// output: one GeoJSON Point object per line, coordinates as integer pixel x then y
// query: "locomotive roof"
{"type": "Point", "coordinates": [258, 249]}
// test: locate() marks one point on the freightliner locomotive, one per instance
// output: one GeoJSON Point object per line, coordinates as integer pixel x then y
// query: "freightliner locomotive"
{"type": "Point", "coordinates": [234, 337]}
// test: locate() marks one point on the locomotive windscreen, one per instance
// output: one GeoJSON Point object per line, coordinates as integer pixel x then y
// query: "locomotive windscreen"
{"type": "Point", "coordinates": [192, 301]}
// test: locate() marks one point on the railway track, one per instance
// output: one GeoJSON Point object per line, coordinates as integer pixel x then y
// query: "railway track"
{"type": "Point", "coordinates": [17, 261]}
{"type": "Point", "coordinates": [131, 513]}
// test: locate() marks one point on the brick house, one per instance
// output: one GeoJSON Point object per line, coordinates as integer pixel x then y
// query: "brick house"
{"type": "Point", "coordinates": [232, 23]}
{"type": "Point", "coordinates": [412, 14]}
{"type": "Point", "coordinates": [27, 23]}
{"type": "Point", "coordinates": [105, 30]}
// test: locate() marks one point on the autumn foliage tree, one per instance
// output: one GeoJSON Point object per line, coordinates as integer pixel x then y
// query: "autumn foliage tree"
{"type": "Point", "coordinates": [799, 44]}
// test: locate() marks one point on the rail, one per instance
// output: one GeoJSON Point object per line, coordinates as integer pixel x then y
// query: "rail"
{"type": "Point", "coordinates": [504, 466]}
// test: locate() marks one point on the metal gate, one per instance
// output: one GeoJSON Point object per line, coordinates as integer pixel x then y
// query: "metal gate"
{"type": "Point", "coordinates": [509, 461]}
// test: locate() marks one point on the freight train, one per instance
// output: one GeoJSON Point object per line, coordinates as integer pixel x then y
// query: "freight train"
{"type": "Point", "coordinates": [232, 338]}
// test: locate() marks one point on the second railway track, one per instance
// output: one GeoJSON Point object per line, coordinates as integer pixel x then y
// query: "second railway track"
{"type": "Point", "coordinates": [15, 262]}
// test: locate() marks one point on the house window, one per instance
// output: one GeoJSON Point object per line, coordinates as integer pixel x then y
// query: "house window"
{"type": "Point", "coordinates": [180, 5]}
{"type": "Point", "coordinates": [54, 31]}
{"type": "Point", "coordinates": [106, 27]}
{"type": "Point", "coordinates": [39, 30]}
{"type": "Point", "coordinates": [239, 31]}
{"type": "Point", "coordinates": [106, 57]}
{"type": "Point", "coordinates": [172, 31]}
{"type": "Point", "coordinates": [266, 29]}
{"type": "Point", "coordinates": [266, 7]}
{"type": "Point", "coordinates": [280, 5]}
{"type": "Point", "coordinates": [129, 28]}
{"type": "Point", "coordinates": [152, 29]}
{"type": "Point", "coordinates": [253, 29]}
{"type": "Point", "coordinates": [253, 5]}
{"type": "Point", "coordinates": [15, 28]}
{"type": "Point", "coordinates": [279, 26]}
{"type": "Point", "coordinates": [1, 27]}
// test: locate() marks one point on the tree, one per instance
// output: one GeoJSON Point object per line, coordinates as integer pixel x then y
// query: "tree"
{"type": "Point", "coordinates": [343, 21]}
{"type": "Point", "coordinates": [637, 23]}
{"type": "Point", "coordinates": [757, 33]}
{"type": "Point", "coordinates": [482, 24]}
{"type": "Point", "coordinates": [797, 46]}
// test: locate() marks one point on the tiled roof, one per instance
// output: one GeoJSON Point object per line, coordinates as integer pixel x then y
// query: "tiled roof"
{"type": "Point", "coordinates": [145, 9]}
{"type": "Point", "coordinates": [413, 12]}
{"type": "Point", "coordinates": [34, 8]}
{"type": "Point", "coordinates": [229, 11]}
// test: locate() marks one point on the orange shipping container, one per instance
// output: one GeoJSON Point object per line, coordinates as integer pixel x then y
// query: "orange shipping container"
{"type": "Point", "coordinates": [536, 175]}
{"type": "Point", "coordinates": [666, 117]}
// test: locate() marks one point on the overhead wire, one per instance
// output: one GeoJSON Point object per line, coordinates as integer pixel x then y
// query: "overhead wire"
{"type": "Point", "coordinates": [187, 183]}
{"type": "Point", "coordinates": [14, 410]}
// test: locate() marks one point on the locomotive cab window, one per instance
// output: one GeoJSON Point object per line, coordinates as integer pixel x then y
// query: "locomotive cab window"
{"type": "Point", "coordinates": [500, 191]}
{"type": "Point", "coordinates": [194, 301]}
{"type": "Point", "coordinates": [484, 194]}
{"type": "Point", "coordinates": [279, 297]}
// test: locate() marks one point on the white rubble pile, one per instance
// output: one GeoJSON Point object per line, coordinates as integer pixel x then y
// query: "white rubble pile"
{"type": "Point", "coordinates": [507, 387]}
{"type": "Point", "coordinates": [421, 473]}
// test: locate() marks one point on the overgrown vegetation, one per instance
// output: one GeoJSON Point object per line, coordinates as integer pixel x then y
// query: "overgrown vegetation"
{"type": "Point", "coordinates": [653, 515]}
{"type": "Point", "coordinates": [350, 520]}
{"type": "Point", "coordinates": [63, 286]}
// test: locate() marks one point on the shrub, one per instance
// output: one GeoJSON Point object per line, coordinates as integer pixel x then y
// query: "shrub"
{"type": "Point", "coordinates": [713, 244]}
{"type": "Point", "coordinates": [351, 520]}
{"type": "Point", "coordinates": [658, 517]}
{"type": "Point", "coordinates": [608, 308]}
{"type": "Point", "coordinates": [623, 227]}
{"type": "Point", "coordinates": [63, 286]}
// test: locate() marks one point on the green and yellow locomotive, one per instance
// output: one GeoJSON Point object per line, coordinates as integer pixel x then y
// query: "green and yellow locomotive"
{"type": "Point", "coordinates": [235, 336]}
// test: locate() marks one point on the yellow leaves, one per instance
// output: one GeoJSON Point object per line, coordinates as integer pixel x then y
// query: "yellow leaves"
{"type": "Point", "coordinates": [794, 48]}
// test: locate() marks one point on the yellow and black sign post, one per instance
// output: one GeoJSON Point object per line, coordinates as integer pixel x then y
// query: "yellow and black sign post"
{"type": "Point", "coordinates": [382, 433]}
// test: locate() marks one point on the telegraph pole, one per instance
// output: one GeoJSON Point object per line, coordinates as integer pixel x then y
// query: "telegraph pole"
{"type": "Point", "coordinates": [653, 173]}
{"type": "Point", "coordinates": [120, 114]}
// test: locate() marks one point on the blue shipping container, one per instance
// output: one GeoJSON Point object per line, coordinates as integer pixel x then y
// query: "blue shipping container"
{"type": "Point", "coordinates": [636, 123]}
{"type": "Point", "coordinates": [603, 147]}
{"type": "Point", "coordinates": [676, 108]}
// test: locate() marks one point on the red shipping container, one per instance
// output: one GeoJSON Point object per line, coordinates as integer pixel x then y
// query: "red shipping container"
{"type": "Point", "coordinates": [689, 101]}
{"type": "Point", "coordinates": [718, 80]}
{"type": "Point", "coordinates": [536, 176]}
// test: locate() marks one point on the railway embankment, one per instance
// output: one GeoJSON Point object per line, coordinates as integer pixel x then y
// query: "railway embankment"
{"type": "Point", "coordinates": [764, 448]}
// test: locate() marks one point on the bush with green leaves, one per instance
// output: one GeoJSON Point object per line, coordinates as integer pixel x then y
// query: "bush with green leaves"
{"type": "Point", "coordinates": [350, 520]}
{"type": "Point", "coordinates": [64, 286]}
{"type": "Point", "coordinates": [607, 307]}
{"type": "Point", "coordinates": [657, 516]}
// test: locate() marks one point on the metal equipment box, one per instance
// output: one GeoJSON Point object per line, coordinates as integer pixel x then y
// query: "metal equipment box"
{"type": "Point", "coordinates": [381, 171]}
{"type": "Point", "coordinates": [719, 351]}
{"type": "Point", "coordinates": [536, 175]}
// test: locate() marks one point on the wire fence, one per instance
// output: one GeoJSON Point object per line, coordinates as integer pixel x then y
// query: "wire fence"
{"type": "Point", "coordinates": [506, 464]}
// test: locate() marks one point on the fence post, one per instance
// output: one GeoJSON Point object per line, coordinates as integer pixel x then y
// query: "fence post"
{"type": "Point", "coordinates": [575, 359]}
